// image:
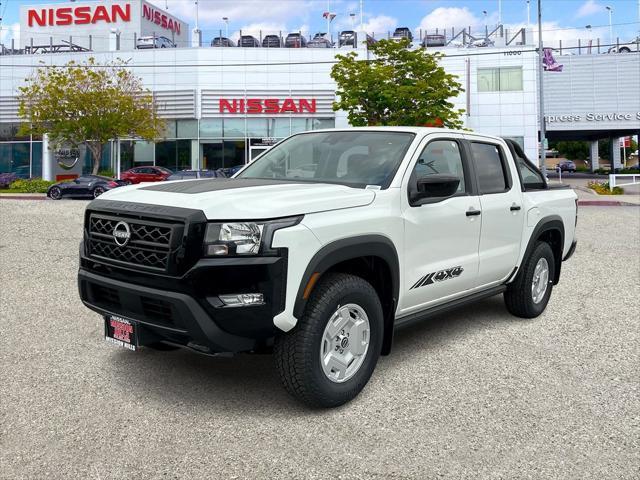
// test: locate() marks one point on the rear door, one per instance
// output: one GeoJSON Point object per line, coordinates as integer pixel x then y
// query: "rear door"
{"type": "Point", "coordinates": [502, 212]}
{"type": "Point", "coordinates": [441, 235]}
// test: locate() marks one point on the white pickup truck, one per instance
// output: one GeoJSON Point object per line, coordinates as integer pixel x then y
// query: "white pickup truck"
{"type": "Point", "coordinates": [322, 246]}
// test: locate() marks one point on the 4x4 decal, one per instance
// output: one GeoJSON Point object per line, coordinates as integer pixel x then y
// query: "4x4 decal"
{"type": "Point", "coordinates": [439, 276]}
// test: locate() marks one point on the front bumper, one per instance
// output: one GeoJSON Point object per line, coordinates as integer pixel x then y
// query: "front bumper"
{"type": "Point", "coordinates": [186, 311]}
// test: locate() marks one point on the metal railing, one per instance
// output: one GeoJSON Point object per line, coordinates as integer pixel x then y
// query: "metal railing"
{"type": "Point", "coordinates": [635, 179]}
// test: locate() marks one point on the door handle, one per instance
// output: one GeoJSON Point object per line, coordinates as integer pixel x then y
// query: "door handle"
{"type": "Point", "coordinates": [473, 213]}
{"type": "Point", "coordinates": [515, 208]}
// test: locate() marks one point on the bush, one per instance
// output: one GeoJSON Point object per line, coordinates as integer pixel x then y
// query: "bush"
{"type": "Point", "coordinates": [602, 188]}
{"type": "Point", "coordinates": [33, 185]}
{"type": "Point", "coordinates": [7, 179]}
{"type": "Point", "coordinates": [582, 169]}
{"type": "Point", "coordinates": [107, 173]}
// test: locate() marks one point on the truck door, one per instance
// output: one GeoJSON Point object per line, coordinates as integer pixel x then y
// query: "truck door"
{"type": "Point", "coordinates": [441, 234]}
{"type": "Point", "coordinates": [502, 212]}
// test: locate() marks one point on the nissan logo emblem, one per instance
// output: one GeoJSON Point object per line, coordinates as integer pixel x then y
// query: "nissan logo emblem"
{"type": "Point", "coordinates": [121, 233]}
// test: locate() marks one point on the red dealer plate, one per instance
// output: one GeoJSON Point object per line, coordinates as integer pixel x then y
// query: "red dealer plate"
{"type": "Point", "coordinates": [121, 332]}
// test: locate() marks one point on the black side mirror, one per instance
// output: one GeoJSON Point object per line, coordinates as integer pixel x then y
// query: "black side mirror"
{"type": "Point", "coordinates": [435, 186]}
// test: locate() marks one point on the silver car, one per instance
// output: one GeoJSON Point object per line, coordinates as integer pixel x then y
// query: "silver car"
{"type": "Point", "coordinates": [154, 42]}
{"type": "Point", "coordinates": [632, 46]}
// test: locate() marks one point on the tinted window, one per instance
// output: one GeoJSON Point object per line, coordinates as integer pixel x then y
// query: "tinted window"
{"type": "Point", "coordinates": [441, 157]}
{"type": "Point", "coordinates": [488, 161]}
{"type": "Point", "coordinates": [531, 178]}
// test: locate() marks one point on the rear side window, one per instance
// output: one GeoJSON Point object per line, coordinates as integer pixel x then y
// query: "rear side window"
{"type": "Point", "coordinates": [488, 159]}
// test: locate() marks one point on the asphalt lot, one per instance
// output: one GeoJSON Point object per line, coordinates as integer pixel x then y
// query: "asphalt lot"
{"type": "Point", "coordinates": [472, 394]}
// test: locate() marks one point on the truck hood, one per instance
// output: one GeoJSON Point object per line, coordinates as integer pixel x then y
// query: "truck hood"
{"type": "Point", "coordinates": [244, 199]}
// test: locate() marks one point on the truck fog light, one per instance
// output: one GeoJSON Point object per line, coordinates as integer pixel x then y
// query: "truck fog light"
{"type": "Point", "coordinates": [242, 299]}
{"type": "Point", "coordinates": [214, 250]}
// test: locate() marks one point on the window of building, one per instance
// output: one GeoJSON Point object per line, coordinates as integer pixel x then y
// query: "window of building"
{"type": "Point", "coordinates": [187, 129]}
{"type": "Point", "coordinates": [441, 157]}
{"type": "Point", "coordinates": [9, 132]}
{"type": "Point", "coordinates": [279, 127]}
{"type": "Point", "coordinates": [234, 127]}
{"type": "Point", "coordinates": [492, 174]}
{"type": "Point", "coordinates": [500, 79]}
{"type": "Point", "coordinates": [174, 155]}
{"type": "Point", "coordinates": [36, 159]}
{"type": "Point", "coordinates": [211, 128]}
{"type": "Point", "coordinates": [14, 158]}
{"type": "Point", "coordinates": [257, 127]}
{"type": "Point", "coordinates": [320, 123]}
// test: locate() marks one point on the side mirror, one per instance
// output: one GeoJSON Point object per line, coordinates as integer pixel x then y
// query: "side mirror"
{"type": "Point", "coordinates": [435, 186]}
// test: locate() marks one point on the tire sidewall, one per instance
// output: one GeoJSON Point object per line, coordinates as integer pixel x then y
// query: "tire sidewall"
{"type": "Point", "coordinates": [371, 306]}
{"type": "Point", "coordinates": [58, 196]}
{"type": "Point", "coordinates": [542, 250]}
{"type": "Point", "coordinates": [97, 192]}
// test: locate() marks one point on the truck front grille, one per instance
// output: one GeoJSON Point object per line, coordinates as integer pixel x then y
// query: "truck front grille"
{"type": "Point", "coordinates": [149, 246]}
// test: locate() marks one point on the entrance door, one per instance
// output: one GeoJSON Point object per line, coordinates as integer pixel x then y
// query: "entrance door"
{"type": "Point", "coordinates": [223, 154]}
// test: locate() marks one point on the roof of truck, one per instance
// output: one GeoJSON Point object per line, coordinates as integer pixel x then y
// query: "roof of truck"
{"type": "Point", "coordinates": [416, 130]}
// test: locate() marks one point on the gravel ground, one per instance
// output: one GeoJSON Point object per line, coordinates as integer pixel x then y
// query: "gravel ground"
{"type": "Point", "coordinates": [472, 394]}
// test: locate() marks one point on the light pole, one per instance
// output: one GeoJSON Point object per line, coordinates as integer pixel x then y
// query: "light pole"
{"type": "Point", "coordinates": [610, 9]}
{"type": "Point", "coordinates": [499, 12]}
{"type": "Point", "coordinates": [543, 130]}
{"type": "Point", "coordinates": [528, 12]}
{"type": "Point", "coordinates": [352, 16]}
{"type": "Point", "coordinates": [362, 13]}
{"type": "Point", "coordinates": [226, 26]}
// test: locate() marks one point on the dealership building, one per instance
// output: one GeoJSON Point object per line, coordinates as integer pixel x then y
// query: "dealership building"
{"type": "Point", "coordinates": [223, 106]}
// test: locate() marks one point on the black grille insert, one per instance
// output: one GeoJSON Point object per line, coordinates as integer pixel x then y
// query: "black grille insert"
{"type": "Point", "coordinates": [106, 296]}
{"type": "Point", "coordinates": [157, 310]}
{"type": "Point", "coordinates": [149, 246]}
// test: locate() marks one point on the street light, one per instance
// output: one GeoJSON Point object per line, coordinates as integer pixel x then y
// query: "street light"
{"type": "Point", "coordinates": [610, 9]}
{"type": "Point", "coordinates": [226, 26]}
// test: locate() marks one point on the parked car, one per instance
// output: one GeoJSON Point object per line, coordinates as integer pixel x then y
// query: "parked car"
{"type": "Point", "coordinates": [435, 40]}
{"type": "Point", "coordinates": [222, 42]}
{"type": "Point", "coordinates": [295, 40]}
{"type": "Point", "coordinates": [634, 167]}
{"type": "Point", "coordinates": [348, 38]}
{"type": "Point", "coordinates": [231, 171]}
{"type": "Point", "coordinates": [195, 174]}
{"type": "Point", "coordinates": [401, 33]}
{"type": "Point", "coordinates": [632, 46]}
{"type": "Point", "coordinates": [567, 166]}
{"type": "Point", "coordinates": [154, 42]}
{"type": "Point", "coordinates": [322, 270]}
{"type": "Point", "coordinates": [145, 174]}
{"type": "Point", "coordinates": [248, 41]}
{"type": "Point", "coordinates": [86, 186]}
{"type": "Point", "coordinates": [319, 41]}
{"type": "Point", "coordinates": [272, 41]}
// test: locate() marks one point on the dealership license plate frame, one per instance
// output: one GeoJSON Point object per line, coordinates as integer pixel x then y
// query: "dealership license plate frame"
{"type": "Point", "coordinates": [122, 332]}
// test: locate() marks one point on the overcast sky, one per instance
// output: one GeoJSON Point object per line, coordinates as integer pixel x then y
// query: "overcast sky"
{"type": "Point", "coordinates": [562, 19]}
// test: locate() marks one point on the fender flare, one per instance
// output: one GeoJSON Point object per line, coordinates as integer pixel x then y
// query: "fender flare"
{"type": "Point", "coordinates": [550, 223]}
{"type": "Point", "coordinates": [348, 249]}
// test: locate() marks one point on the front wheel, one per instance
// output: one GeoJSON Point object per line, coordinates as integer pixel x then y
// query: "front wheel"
{"type": "Point", "coordinates": [527, 296]}
{"type": "Point", "coordinates": [97, 192]}
{"type": "Point", "coordinates": [55, 193]}
{"type": "Point", "coordinates": [328, 358]}
{"type": "Point", "coordinates": [625, 50]}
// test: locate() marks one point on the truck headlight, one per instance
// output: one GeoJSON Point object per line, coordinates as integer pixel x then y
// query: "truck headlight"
{"type": "Point", "coordinates": [243, 238]}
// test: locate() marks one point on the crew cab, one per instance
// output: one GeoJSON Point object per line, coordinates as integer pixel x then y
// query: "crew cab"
{"type": "Point", "coordinates": [388, 226]}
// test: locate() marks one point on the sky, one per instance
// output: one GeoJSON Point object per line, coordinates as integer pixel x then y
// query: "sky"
{"type": "Point", "coordinates": [562, 19]}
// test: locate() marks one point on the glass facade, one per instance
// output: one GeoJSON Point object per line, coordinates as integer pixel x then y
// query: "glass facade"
{"type": "Point", "coordinates": [210, 143]}
{"type": "Point", "coordinates": [500, 79]}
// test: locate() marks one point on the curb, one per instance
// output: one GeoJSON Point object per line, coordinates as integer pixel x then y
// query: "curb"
{"type": "Point", "coordinates": [23, 197]}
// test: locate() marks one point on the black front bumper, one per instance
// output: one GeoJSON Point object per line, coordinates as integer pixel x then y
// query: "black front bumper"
{"type": "Point", "coordinates": [186, 311]}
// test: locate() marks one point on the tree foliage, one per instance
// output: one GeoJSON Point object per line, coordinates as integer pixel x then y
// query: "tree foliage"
{"type": "Point", "coordinates": [88, 104]}
{"type": "Point", "coordinates": [398, 87]}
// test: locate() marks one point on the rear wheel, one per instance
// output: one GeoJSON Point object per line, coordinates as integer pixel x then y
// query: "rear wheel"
{"type": "Point", "coordinates": [55, 193]}
{"type": "Point", "coordinates": [328, 358]}
{"type": "Point", "coordinates": [527, 296]}
{"type": "Point", "coordinates": [625, 50]}
{"type": "Point", "coordinates": [97, 192]}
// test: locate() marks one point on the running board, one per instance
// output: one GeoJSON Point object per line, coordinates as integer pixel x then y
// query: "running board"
{"type": "Point", "coordinates": [445, 307]}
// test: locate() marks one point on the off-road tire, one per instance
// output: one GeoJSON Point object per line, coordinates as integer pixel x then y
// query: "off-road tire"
{"type": "Point", "coordinates": [297, 353]}
{"type": "Point", "coordinates": [518, 297]}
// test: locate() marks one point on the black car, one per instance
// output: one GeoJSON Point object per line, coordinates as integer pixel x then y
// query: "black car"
{"type": "Point", "coordinates": [193, 174]}
{"type": "Point", "coordinates": [402, 32]}
{"type": "Point", "coordinates": [86, 186]}
{"type": "Point", "coordinates": [248, 41]}
{"type": "Point", "coordinates": [222, 42]}
{"type": "Point", "coordinates": [295, 40]}
{"type": "Point", "coordinates": [271, 41]}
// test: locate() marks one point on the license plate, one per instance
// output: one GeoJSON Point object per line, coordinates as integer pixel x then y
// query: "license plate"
{"type": "Point", "coordinates": [121, 332]}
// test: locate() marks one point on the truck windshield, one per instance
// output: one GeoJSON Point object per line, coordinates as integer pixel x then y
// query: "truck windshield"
{"type": "Point", "coordinates": [352, 158]}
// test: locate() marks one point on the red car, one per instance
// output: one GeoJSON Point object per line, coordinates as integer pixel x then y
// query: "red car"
{"type": "Point", "coordinates": [145, 174]}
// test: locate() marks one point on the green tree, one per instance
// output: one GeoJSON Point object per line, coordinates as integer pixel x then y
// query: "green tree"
{"type": "Point", "coordinates": [572, 150]}
{"type": "Point", "coordinates": [398, 87]}
{"type": "Point", "coordinates": [88, 104]}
